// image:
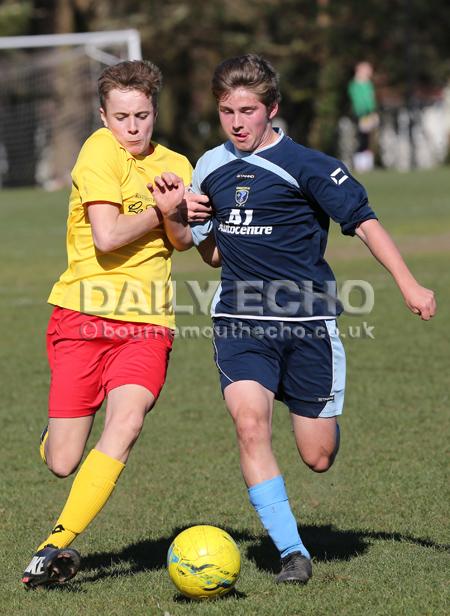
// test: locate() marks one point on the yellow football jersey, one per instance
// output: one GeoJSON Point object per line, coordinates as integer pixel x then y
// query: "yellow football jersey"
{"type": "Point", "coordinates": [132, 283]}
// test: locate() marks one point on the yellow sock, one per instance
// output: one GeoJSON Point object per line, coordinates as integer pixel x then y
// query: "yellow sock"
{"type": "Point", "coordinates": [44, 437]}
{"type": "Point", "coordinates": [91, 488]}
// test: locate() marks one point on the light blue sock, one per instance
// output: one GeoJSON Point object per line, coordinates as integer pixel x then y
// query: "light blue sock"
{"type": "Point", "coordinates": [270, 500]}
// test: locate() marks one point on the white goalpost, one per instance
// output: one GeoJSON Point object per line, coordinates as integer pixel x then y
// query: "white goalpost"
{"type": "Point", "coordinates": [48, 100]}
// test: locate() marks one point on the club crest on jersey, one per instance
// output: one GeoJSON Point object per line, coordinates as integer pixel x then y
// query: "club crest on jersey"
{"type": "Point", "coordinates": [241, 195]}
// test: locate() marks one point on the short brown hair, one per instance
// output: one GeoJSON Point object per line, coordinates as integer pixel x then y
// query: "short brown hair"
{"type": "Point", "coordinates": [139, 75]}
{"type": "Point", "coordinates": [248, 71]}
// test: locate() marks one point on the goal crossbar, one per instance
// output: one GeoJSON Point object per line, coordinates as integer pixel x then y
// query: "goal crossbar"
{"type": "Point", "coordinates": [131, 37]}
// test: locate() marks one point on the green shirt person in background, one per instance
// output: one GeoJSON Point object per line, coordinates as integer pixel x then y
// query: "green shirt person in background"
{"type": "Point", "coordinates": [362, 97]}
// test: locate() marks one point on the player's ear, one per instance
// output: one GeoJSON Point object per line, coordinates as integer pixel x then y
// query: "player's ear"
{"type": "Point", "coordinates": [103, 117]}
{"type": "Point", "coordinates": [273, 111]}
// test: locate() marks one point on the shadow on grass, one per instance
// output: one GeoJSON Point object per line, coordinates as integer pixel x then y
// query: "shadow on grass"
{"type": "Point", "coordinates": [324, 541]}
{"type": "Point", "coordinates": [141, 556]}
{"type": "Point", "coordinates": [232, 594]}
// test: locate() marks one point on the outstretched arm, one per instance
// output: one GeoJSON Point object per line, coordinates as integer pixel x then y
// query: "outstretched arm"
{"type": "Point", "coordinates": [418, 299]}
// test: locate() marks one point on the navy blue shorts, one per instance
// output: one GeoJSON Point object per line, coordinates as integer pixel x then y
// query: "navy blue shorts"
{"type": "Point", "coordinates": [302, 363]}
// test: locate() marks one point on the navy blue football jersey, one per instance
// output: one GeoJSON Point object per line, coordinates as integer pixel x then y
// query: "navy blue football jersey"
{"type": "Point", "coordinates": [272, 211]}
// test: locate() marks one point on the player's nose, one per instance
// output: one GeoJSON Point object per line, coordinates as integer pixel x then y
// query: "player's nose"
{"type": "Point", "coordinates": [132, 126]}
{"type": "Point", "coordinates": [237, 121]}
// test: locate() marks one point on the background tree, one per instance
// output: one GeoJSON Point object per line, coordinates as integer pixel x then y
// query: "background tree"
{"type": "Point", "coordinates": [313, 44]}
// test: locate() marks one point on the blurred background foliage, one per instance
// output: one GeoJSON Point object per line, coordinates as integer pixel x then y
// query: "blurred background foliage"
{"type": "Point", "coordinates": [314, 45]}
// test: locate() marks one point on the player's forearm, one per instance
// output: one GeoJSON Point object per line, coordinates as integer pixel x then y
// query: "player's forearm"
{"type": "Point", "coordinates": [178, 232]}
{"type": "Point", "coordinates": [125, 229]}
{"type": "Point", "coordinates": [383, 248]}
{"type": "Point", "coordinates": [418, 299]}
{"type": "Point", "coordinates": [209, 251]}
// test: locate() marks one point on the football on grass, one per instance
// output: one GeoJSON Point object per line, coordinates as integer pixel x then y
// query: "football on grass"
{"type": "Point", "coordinates": [203, 562]}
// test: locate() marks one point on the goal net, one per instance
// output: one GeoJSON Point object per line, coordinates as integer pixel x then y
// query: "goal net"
{"type": "Point", "coordinates": [49, 103]}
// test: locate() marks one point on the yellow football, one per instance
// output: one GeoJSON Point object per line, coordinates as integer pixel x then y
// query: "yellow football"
{"type": "Point", "coordinates": [203, 562]}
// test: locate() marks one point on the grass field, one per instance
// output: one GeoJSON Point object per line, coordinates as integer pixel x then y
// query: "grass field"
{"type": "Point", "coordinates": [376, 523]}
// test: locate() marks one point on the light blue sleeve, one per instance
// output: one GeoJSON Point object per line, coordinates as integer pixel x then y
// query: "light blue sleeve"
{"type": "Point", "coordinates": [209, 162]}
{"type": "Point", "coordinates": [196, 181]}
{"type": "Point", "coordinates": [200, 231]}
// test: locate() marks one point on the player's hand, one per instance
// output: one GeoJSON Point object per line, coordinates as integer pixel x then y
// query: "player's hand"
{"type": "Point", "coordinates": [168, 191]}
{"type": "Point", "coordinates": [421, 301]}
{"type": "Point", "coordinates": [196, 207]}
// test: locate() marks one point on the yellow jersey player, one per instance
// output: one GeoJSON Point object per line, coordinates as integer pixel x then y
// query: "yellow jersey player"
{"type": "Point", "coordinates": [111, 330]}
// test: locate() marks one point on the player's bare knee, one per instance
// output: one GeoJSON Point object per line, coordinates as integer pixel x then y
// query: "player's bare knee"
{"type": "Point", "coordinates": [322, 464]}
{"type": "Point", "coordinates": [319, 461]}
{"type": "Point", "coordinates": [251, 429]}
{"type": "Point", "coordinates": [61, 466]}
{"type": "Point", "coordinates": [129, 424]}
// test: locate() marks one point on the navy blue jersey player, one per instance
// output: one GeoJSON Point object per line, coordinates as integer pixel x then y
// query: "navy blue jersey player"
{"type": "Point", "coordinates": [275, 333]}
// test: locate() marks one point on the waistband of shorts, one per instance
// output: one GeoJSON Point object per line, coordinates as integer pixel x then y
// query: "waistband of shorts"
{"type": "Point", "coordinates": [89, 326]}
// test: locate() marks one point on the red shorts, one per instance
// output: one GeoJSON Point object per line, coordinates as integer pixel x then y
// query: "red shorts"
{"type": "Point", "coordinates": [89, 356]}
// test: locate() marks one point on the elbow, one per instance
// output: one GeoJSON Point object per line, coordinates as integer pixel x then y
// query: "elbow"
{"type": "Point", "coordinates": [105, 244]}
{"type": "Point", "coordinates": [181, 246]}
{"type": "Point", "coordinates": [361, 234]}
{"type": "Point", "coordinates": [215, 263]}
{"type": "Point", "coordinates": [212, 261]}
{"type": "Point", "coordinates": [366, 227]}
